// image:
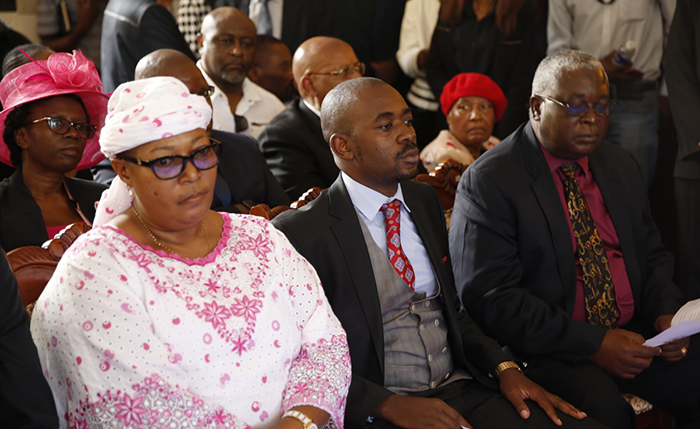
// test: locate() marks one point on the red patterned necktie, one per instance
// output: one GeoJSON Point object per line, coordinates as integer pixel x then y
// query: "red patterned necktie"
{"type": "Point", "coordinates": [598, 288]}
{"type": "Point", "coordinates": [400, 262]}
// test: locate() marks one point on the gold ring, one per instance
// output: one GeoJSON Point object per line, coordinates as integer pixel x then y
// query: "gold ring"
{"type": "Point", "coordinates": [684, 350]}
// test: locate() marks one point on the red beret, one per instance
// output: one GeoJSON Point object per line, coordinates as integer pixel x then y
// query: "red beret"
{"type": "Point", "coordinates": [473, 85]}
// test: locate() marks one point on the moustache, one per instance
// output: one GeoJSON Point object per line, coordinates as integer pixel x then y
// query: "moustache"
{"type": "Point", "coordinates": [409, 147]}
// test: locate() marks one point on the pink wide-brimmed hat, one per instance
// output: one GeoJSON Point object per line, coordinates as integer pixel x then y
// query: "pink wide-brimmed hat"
{"type": "Point", "coordinates": [61, 74]}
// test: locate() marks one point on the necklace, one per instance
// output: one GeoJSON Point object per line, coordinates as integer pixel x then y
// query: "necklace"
{"type": "Point", "coordinates": [161, 245]}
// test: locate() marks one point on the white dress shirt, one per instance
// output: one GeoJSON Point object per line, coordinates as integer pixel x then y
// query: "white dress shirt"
{"type": "Point", "coordinates": [597, 28]}
{"type": "Point", "coordinates": [257, 105]}
{"type": "Point", "coordinates": [419, 21]}
{"type": "Point", "coordinates": [368, 203]}
{"type": "Point", "coordinates": [274, 7]}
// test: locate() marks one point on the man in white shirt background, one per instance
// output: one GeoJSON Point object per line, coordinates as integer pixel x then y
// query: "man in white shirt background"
{"type": "Point", "coordinates": [227, 46]}
{"type": "Point", "coordinates": [601, 28]}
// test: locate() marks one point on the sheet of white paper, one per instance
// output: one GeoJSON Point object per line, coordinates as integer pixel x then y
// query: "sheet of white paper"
{"type": "Point", "coordinates": [681, 330]}
{"type": "Point", "coordinates": [690, 311]}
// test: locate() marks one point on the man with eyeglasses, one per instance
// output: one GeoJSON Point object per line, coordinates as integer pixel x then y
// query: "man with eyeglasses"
{"type": "Point", "coordinates": [557, 257]}
{"type": "Point", "coordinates": [227, 46]}
{"type": "Point", "coordinates": [293, 143]}
{"type": "Point", "coordinates": [243, 178]}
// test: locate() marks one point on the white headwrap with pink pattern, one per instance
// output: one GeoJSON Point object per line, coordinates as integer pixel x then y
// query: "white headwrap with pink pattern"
{"type": "Point", "coordinates": [140, 112]}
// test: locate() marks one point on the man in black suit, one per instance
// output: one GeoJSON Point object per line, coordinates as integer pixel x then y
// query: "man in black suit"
{"type": "Point", "coordinates": [379, 245]}
{"type": "Point", "coordinates": [682, 70]}
{"type": "Point", "coordinates": [132, 29]}
{"type": "Point", "coordinates": [293, 21]}
{"type": "Point", "coordinates": [25, 398]}
{"type": "Point", "coordinates": [557, 256]}
{"type": "Point", "coordinates": [292, 142]}
{"type": "Point", "coordinates": [243, 178]}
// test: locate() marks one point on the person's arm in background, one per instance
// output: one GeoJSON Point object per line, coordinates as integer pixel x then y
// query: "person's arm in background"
{"type": "Point", "coordinates": [158, 30]}
{"type": "Point", "coordinates": [49, 27]}
{"type": "Point", "coordinates": [682, 78]}
{"type": "Point", "coordinates": [25, 398]}
{"type": "Point", "coordinates": [559, 27]}
{"type": "Point", "coordinates": [410, 50]}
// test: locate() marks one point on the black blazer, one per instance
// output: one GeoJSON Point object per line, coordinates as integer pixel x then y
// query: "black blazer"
{"type": "Point", "coordinates": [296, 151]}
{"type": "Point", "coordinates": [682, 69]}
{"type": "Point", "coordinates": [25, 397]}
{"type": "Point", "coordinates": [512, 251]}
{"type": "Point", "coordinates": [21, 222]}
{"type": "Point", "coordinates": [508, 62]}
{"type": "Point", "coordinates": [327, 232]}
{"type": "Point", "coordinates": [243, 169]}
{"type": "Point", "coordinates": [132, 29]}
{"type": "Point", "coordinates": [301, 19]}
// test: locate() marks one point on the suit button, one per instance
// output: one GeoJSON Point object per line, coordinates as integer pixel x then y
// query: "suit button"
{"type": "Point", "coordinates": [437, 322]}
{"type": "Point", "coordinates": [444, 350]}
{"type": "Point", "coordinates": [447, 376]}
{"type": "Point", "coordinates": [430, 358]}
{"type": "Point", "coordinates": [427, 303]}
{"type": "Point", "coordinates": [422, 327]}
{"type": "Point", "coordinates": [432, 385]}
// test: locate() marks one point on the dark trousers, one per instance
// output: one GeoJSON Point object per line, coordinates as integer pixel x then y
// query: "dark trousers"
{"type": "Point", "coordinates": [688, 212]}
{"type": "Point", "coordinates": [674, 386]}
{"type": "Point", "coordinates": [484, 408]}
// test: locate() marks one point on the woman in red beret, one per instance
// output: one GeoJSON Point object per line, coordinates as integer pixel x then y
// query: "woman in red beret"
{"type": "Point", "coordinates": [472, 103]}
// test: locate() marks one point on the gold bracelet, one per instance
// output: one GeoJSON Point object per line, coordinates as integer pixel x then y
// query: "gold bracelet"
{"type": "Point", "coordinates": [504, 366]}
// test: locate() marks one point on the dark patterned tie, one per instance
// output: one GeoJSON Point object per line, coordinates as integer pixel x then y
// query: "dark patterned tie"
{"type": "Point", "coordinates": [399, 260]}
{"type": "Point", "coordinates": [598, 290]}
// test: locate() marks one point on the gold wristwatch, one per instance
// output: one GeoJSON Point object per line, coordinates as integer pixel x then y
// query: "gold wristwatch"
{"type": "Point", "coordinates": [303, 418]}
{"type": "Point", "coordinates": [508, 364]}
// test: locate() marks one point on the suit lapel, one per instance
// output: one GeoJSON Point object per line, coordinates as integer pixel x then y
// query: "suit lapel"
{"type": "Point", "coordinates": [614, 196]}
{"type": "Point", "coordinates": [421, 219]}
{"type": "Point", "coordinates": [350, 239]}
{"type": "Point", "coordinates": [547, 196]}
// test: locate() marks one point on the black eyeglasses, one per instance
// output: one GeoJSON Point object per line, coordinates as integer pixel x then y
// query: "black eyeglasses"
{"type": "Point", "coordinates": [352, 68]}
{"type": "Point", "coordinates": [170, 167]}
{"type": "Point", "coordinates": [209, 92]}
{"type": "Point", "coordinates": [576, 110]}
{"type": "Point", "coordinates": [61, 126]}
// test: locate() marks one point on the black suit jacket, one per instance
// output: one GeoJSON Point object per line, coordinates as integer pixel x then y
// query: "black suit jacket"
{"type": "Point", "coordinates": [25, 398]}
{"type": "Point", "coordinates": [682, 68]}
{"type": "Point", "coordinates": [21, 222]}
{"type": "Point", "coordinates": [296, 151]}
{"type": "Point", "coordinates": [242, 173]}
{"type": "Point", "coordinates": [301, 19]}
{"type": "Point", "coordinates": [132, 29]}
{"type": "Point", "coordinates": [327, 233]}
{"type": "Point", "coordinates": [512, 251]}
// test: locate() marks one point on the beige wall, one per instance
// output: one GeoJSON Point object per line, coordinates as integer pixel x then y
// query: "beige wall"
{"type": "Point", "coordinates": [24, 20]}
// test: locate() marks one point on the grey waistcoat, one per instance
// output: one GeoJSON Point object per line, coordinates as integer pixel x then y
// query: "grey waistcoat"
{"type": "Point", "coordinates": [416, 352]}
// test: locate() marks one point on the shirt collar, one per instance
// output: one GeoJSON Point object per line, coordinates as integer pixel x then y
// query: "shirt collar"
{"type": "Point", "coordinates": [367, 200]}
{"type": "Point", "coordinates": [555, 162]}
{"type": "Point", "coordinates": [312, 108]}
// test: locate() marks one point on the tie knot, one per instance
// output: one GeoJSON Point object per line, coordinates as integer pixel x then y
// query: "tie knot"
{"type": "Point", "coordinates": [569, 169]}
{"type": "Point", "coordinates": [391, 209]}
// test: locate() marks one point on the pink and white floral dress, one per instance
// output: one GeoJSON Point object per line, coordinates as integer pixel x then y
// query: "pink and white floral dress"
{"type": "Point", "coordinates": [132, 337]}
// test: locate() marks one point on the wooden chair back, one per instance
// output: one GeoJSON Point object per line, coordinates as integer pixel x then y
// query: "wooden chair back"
{"type": "Point", "coordinates": [33, 266]}
{"type": "Point", "coordinates": [444, 179]}
{"type": "Point", "coordinates": [263, 210]}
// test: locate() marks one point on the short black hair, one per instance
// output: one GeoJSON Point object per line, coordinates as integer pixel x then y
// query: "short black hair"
{"type": "Point", "coordinates": [339, 105]}
{"type": "Point", "coordinates": [17, 118]}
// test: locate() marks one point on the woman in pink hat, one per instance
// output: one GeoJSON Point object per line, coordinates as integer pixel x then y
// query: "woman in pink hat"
{"type": "Point", "coordinates": [50, 126]}
{"type": "Point", "coordinates": [472, 103]}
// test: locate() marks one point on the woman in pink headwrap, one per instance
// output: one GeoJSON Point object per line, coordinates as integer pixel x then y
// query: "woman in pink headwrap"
{"type": "Point", "coordinates": [50, 126]}
{"type": "Point", "coordinates": [167, 314]}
